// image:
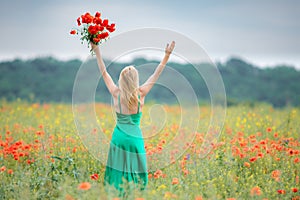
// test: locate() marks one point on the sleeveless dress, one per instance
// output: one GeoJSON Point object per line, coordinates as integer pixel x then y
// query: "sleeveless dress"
{"type": "Point", "coordinates": [126, 166]}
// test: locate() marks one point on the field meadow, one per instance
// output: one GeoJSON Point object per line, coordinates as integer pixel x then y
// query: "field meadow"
{"type": "Point", "coordinates": [257, 155]}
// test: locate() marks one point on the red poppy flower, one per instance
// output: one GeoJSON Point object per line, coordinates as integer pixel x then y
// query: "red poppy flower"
{"type": "Point", "coordinates": [10, 171]}
{"type": "Point", "coordinates": [253, 159]}
{"type": "Point", "coordinates": [246, 164]}
{"type": "Point", "coordinates": [110, 28]}
{"type": "Point", "coordinates": [98, 14]}
{"type": "Point", "coordinates": [281, 191]}
{"type": "Point", "coordinates": [255, 191]}
{"type": "Point", "coordinates": [260, 155]}
{"type": "Point", "coordinates": [92, 30]}
{"type": "Point", "coordinates": [84, 186]}
{"type": "Point", "coordinates": [87, 18]}
{"type": "Point", "coordinates": [73, 32]}
{"type": "Point", "coordinates": [94, 177]}
{"type": "Point", "coordinates": [97, 20]}
{"type": "Point", "coordinates": [2, 169]}
{"type": "Point", "coordinates": [78, 21]}
{"type": "Point", "coordinates": [105, 22]}
{"type": "Point", "coordinates": [276, 174]}
{"type": "Point", "coordinates": [175, 181]}
{"type": "Point", "coordinates": [96, 40]}
{"type": "Point", "coordinates": [102, 35]}
{"type": "Point", "coordinates": [294, 190]}
{"type": "Point", "coordinates": [100, 28]}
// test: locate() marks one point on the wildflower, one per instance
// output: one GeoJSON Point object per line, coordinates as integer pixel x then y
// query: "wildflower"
{"type": "Point", "coordinates": [253, 159]}
{"type": "Point", "coordinates": [2, 169]}
{"type": "Point", "coordinates": [276, 175]}
{"type": "Point", "coordinates": [74, 150]}
{"type": "Point", "coordinates": [261, 155]}
{"type": "Point", "coordinates": [84, 186]}
{"type": "Point", "coordinates": [69, 197]}
{"type": "Point", "coordinates": [175, 181]}
{"type": "Point", "coordinates": [94, 177]}
{"type": "Point", "coordinates": [246, 164]}
{"type": "Point", "coordinates": [255, 191]}
{"type": "Point", "coordinates": [169, 195]}
{"type": "Point", "coordinates": [98, 14]}
{"type": "Point", "coordinates": [158, 173]}
{"type": "Point", "coordinates": [78, 21]}
{"type": "Point", "coordinates": [281, 191]}
{"type": "Point", "coordinates": [73, 32]}
{"type": "Point", "coordinates": [96, 40]}
{"type": "Point", "coordinates": [185, 172]}
{"type": "Point", "coordinates": [162, 187]}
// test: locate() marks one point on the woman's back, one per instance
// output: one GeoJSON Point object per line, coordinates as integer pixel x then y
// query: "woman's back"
{"type": "Point", "coordinates": [128, 118]}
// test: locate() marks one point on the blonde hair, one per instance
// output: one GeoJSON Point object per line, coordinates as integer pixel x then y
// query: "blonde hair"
{"type": "Point", "coordinates": [129, 85]}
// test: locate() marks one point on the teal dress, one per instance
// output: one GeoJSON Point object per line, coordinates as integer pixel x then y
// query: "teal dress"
{"type": "Point", "coordinates": [126, 166]}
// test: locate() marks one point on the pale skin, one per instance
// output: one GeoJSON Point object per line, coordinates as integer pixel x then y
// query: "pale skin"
{"type": "Point", "coordinates": [145, 88]}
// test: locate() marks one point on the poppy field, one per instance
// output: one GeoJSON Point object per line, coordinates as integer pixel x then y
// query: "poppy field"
{"type": "Point", "coordinates": [257, 155]}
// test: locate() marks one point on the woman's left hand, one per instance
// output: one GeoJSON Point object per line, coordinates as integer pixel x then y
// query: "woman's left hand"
{"type": "Point", "coordinates": [169, 48]}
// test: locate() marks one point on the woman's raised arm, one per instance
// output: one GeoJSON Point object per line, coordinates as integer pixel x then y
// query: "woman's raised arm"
{"type": "Point", "coordinates": [146, 87]}
{"type": "Point", "coordinates": [107, 78]}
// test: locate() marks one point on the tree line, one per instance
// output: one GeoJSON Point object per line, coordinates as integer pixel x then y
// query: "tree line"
{"type": "Point", "coordinates": [50, 80]}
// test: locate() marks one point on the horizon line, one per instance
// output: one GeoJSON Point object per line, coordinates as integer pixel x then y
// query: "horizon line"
{"type": "Point", "coordinates": [221, 60]}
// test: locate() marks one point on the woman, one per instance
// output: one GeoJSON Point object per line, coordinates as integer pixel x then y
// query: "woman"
{"type": "Point", "coordinates": [127, 156]}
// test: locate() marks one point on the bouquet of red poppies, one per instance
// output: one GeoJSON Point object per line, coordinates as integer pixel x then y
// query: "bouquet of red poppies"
{"type": "Point", "coordinates": [93, 28]}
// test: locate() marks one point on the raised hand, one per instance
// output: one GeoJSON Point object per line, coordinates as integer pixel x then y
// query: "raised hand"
{"type": "Point", "coordinates": [93, 46]}
{"type": "Point", "coordinates": [169, 48]}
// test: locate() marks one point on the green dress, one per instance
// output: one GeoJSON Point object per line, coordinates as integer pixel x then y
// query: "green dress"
{"type": "Point", "coordinates": [127, 163]}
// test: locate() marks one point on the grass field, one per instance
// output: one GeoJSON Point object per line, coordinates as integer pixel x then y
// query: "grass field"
{"type": "Point", "coordinates": [257, 155]}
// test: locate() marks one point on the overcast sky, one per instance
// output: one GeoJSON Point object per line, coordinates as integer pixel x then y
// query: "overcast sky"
{"type": "Point", "coordinates": [263, 32]}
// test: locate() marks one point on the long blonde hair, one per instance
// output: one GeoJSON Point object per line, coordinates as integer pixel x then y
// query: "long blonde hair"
{"type": "Point", "coordinates": [129, 86]}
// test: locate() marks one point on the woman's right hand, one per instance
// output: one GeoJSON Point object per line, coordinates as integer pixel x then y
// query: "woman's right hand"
{"type": "Point", "coordinates": [169, 48]}
{"type": "Point", "coordinates": [93, 46]}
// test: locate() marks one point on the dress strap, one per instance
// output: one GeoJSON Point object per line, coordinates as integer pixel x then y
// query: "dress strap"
{"type": "Point", "coordinates": [119, 103]}
{"type": "Point", "coordinates": [138, 104]}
